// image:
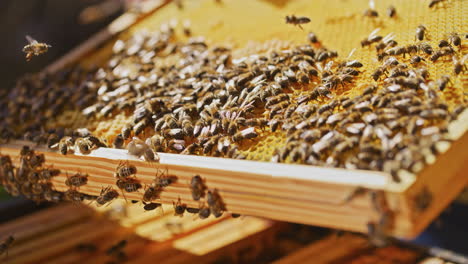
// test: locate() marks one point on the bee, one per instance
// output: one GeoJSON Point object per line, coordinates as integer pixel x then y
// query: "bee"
{"type": "Point", "coordinates": [151, 193]}
{"type": "Point", "coordinates": [443, 43]}
{"type": "Point", "coordinates": [215, 203]}
{"type": "Point", "coordinates": [163, 181]}
{"type": "Point", "coordinates": [420, 31]}
{"type": "Point", "coordinates": [48, 173]}
{"type": "Point", "coordinates": [312, 38]}
{"type": "Point", "coordinates": [197, 187]}
{"type": "Point", "coordinates": [186, 28]}
{"type": "Point", "coordinates": [118, 141]}
{"type": "Point", "coordinates": [455, 39]}
{"type": "Point", "coordinates": [442, 82]}
{"type": "Point", "coordinates": [34, 48]}
{"type": "Point", "coordinates": [137, 147]}
{"type": "Point", "coordinates": [151, 206]}
{"type": "Point", "coordinates": [129, 184]}
{"type": "Point", "coordinates": [370, 89]}
{"type": "Point", "coordinates": [179, 208]}
{"type": "Point", "coordinates": [126, 131]}
{"type": "Point", "coordinates": [247, 133]}
{"type": "Point", "coordinates": [273, 100]}
{"type": "Point", "coordinates": [459, 65]}
{"type": "Point", "coordinates": [140, 126]}
{"type": "Point", "coordinates": [157, 143]}
{"type": "Point", "coordinates": [297, 21]}
{"type": "Point", "coordinates": [65, 145]}
{"type": "Point", "coordinates": [372, 38]}
{"type": "Point", "coordinates": [204, 212]}
{"type": "Point", "coordinates": [208, 146]}
{"type": "Point", "coordinates": [432, 3]}
{"type": "Point", "coordinates": [442, 52]}
{"type": "Point", "coordinates": [83, 145]}
{"type": "Point", "coordinates": [174, 133]}
{"type": "Point", "coordinates": [416, 59]}
{"type": "Point", "coordinates": [425, 47]}
{"type": "Point", "coordinates": [378, 73]}
{"type": "Point", "coordinates": [74, 195]}
{"type": "Point", "coordinates": [391, 11]}
{"type": "Point", "coordinates": [191, 149]}
{"type": "Point", "coordinates": [371, 12]}
{"type": "Point", "coordinates": [5, 245]}
{"type": "Point", "coordinates": [107, 194]}
{"type": "Point", "coordinates": [125, 170]}
{"type": "Point", "coordinates": [77, 180]}
{"type": "Point", "coordinates": [36, 160]}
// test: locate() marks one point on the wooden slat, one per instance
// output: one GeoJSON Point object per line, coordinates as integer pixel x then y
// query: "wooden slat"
{"type": "Point", "coordinates": [327, 250]}
{"type": "Point", "coordinates": [296, 193]}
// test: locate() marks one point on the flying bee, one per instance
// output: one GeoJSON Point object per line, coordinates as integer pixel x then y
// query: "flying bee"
{"type": "Point", "coordinates": [107, 194]}
{"type": "Point", "coordinates": [5, 245]}
{"type": "Point", "coordinates": [34, 48]}
{"type": "Point", "coordinates": [372, 38]}
{"type": "Point", "coordinates": [125, 170]}
{"type": "Point", "coordinates": [77, 180]}
{"type": "Point", "coordinates": [371, 12]}
{"type": "Point", "coordinates": [455, 39]}
{"type": "Point", "coordinates": [420, 31]}
{"type": "Point", "coordinates": [197, 187]}
{"type": "Point", "coordinates": [179, 208]}
{"type": "Point", "coordinates": [391, 11]}
{"type": "Point", "coordinates": [459, 65]}
{"type": "Point", "coordinates": [297, 21]}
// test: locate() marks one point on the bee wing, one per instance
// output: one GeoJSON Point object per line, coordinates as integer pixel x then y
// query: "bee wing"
{"type": "Point", "coordinates": [31, 40]}
{"type": "Point", "coordinates": [389, 37]}
{"type": "Point", "coordinates": [329, 65]}
{"type": "Point", "coordinates": [351, 53]}
{"type": "Point", "coordinates": [371, 4]}
{"type": "Point", "coordinates": [374, 32]}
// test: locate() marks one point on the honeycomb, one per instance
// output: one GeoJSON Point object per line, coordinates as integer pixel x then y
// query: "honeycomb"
{"type": "Point", "coordinates": [257, 27]}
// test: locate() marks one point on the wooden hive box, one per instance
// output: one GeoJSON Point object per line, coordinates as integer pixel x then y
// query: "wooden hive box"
{"type": "Point", "coordinates": [295, 193]}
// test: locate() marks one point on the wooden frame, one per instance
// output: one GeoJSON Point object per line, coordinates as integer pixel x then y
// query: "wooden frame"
{"type": "Point", "coordinates": [294, 193]}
